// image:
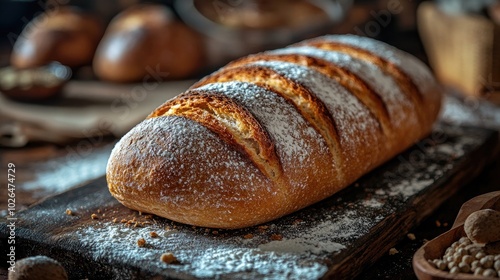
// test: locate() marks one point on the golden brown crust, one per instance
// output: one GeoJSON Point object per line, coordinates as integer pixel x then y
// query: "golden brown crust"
{"type": "Point", "coordinates": [405, 82]}
{"type": "Point", "coordinates": [230, 121]}
{"type": "Point", "coordinates": [306, 102]}
{"type": "Point", "coordinates": [162, 166]}
{"type": "Point", "coordinates": [321, 120]}
{"type": "Point", "coordinates": [345, 77]}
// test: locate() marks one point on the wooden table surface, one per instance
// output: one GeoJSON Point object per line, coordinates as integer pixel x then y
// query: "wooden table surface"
{"type": "Point", "coordinates": [43, 170]}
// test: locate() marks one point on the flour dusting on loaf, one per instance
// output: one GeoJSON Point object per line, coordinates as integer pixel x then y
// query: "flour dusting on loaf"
{"type": "Point", "coordinates": [355, 126]}
{"type": "Point", "coordinates": [275, 132]}
{"type": "Point", "coordinates": [287, 128]}
{"type": "Point", "coordinates": [397, 103]}
{"type": "Point", "coordinates": [409, 64]}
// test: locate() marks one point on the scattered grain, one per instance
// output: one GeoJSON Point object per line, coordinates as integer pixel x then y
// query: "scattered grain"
{"type": "Point", "coordinates": [276, 237]}
{"type": "Point", "coordinates": [141, 242]}
{"type": "Point", "coordinates": [168, 258]}
{"type": "Point", "coordinates": [411, 236]}
{"type": "Point", "coordinates": [393, 251]}
{"type": "Point", "coordinates": [248, 236]}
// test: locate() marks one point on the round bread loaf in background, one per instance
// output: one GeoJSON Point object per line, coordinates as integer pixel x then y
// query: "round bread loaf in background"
{"type": "Point", "coordinates": [66, 35]}
{"type": "Point", "coordinates": [147, 40]}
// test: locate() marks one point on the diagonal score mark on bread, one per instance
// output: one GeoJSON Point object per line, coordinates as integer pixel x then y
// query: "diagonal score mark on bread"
{"type": "Point", "coordinates": [360, 89]}
{"type": "Point", "coordinates": [232, 122]}
{"type": "Point", "coordinates": [303, 99]}
{"type": "Point", "coordinates": [404, 80]}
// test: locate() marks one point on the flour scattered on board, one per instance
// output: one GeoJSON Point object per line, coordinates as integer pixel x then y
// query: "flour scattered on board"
{"type": "Point", "coordinates": [308, 238]}
{"type": "Point", "coordinates": [298, 256]}
{"type": "Point", "coordinates": [59, 175]}
{"type": "Point", "coordinates": [116, 242]}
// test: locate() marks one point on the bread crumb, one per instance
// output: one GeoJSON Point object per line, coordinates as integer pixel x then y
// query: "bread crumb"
{"type": "Point", "coordinates": [69, 212]}
{"type": "Point", "coordinates": [262, 229]}
{"type": "Point", "coordinates": [168, 258]}
{"type": "Point", "coordinates": [248, 236]}
{"type": "Point", "coordinates": [94, 216]}
{"type": "Point", "coordinates": [277, 237]}
{"type": "Point", "coordinates": [123, 221]}
{"type": "Point", "coordinates": [411, 236]}
{"type": "Point", "coordinates": [141, 242]}
{"type": "Point", "coordinates": [140, 213]}
{"type": "Point", "coordinates": [393, 251]}
{"type": "Point", "coordinates": [297, 221]}
{"type": "Point", "coordinates": [153, 234]}
{"type": "Point", "coordinates": [438, 223]}
{"type": "Point", "coordinates": [445, 224]}
{"type": "Point", "coordinates": [149, 216]}
{"type": "Point", "coordinates": [98, 211]}
{"type": "Point", "coordinates": [136, 224]}
{"type": "Point", "coordinates": [115, 220]}
{"type": "Point", "coordinates": [215, 232]}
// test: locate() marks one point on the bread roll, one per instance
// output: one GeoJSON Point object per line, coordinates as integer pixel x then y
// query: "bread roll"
{"type": "Point", "coordinates": [147, 40]}
{"type": "Point", "coordinates": [275, 132]}
{"type": "Point", "coordinates": [66, 35]}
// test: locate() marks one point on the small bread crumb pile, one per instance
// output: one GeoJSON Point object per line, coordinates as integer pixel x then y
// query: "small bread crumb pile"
{"type": "Point", "coordinates": [411, 236]}
{"type": "Point", "coordinates": [248, 236]}
{"type": "Point", "coordinates": [168, 258]}
{"type": "Point", "coordinates": [277, 237]}
{"type": "Point", "coordinates": [393, 251]}
{"type": "Point", "coordinates": [141, 242]}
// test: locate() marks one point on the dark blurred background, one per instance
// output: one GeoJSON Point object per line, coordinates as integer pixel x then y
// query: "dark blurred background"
{"type": "Point", "coordinates": [362, 17]}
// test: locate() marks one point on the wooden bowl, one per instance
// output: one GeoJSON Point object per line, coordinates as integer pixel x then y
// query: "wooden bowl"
{"type": "Point", "coordinates": [436, 248]}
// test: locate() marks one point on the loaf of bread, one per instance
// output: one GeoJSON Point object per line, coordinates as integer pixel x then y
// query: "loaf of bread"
{"type": "Point", "coordinates": [274, 132]}
{"type": "Point", "coordinates": [146, 40]}
{"type": "Point", "coordinates": [66, 35]}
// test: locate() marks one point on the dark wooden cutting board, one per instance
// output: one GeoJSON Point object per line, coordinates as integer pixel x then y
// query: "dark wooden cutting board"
{"type": "Point", "coordinates": [338, 237]}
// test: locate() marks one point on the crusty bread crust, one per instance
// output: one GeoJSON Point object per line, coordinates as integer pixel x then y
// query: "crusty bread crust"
{"type": "Point", "coordinates": [275, 132]}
